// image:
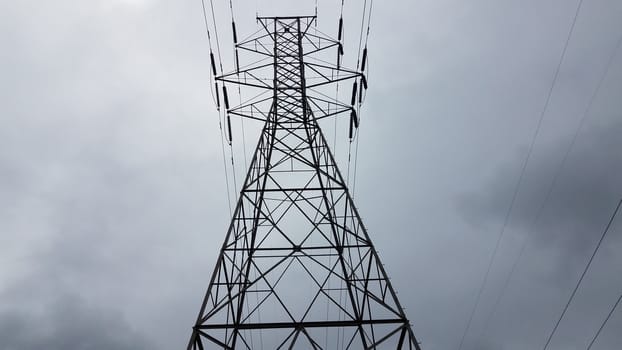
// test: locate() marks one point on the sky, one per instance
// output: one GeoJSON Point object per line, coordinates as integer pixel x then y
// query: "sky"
{"type": "Point", "coordinates": [113, 201]}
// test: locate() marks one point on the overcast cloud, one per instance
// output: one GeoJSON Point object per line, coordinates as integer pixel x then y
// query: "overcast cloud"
{"type": "Point", "coordinates": [112, 197]}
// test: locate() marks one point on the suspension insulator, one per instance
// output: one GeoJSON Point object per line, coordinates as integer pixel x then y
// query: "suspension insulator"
{"type": "Point", "coordinates": [237, 61]}
{"type": "Point", "coordinates": [229, 127]}
{"type": "Point", "coordinates": [364, 60]}
{"type": "Point", "coordinates": [338, 60]}
{"type": "Point", "coordinates": [353, 100]}
{"type": "Point", "coordinates": [235, 34]}
{"type": "Point", "coordinates": [351, 128]}
{"type": "Point", "coordinates": [364, 82]}
{"type": "Point", "coordinates": [217, 96]}
{"type": "Point", "coordinates": [340, 49]}
{"type": "Point", "coordinates": [226, 96]}
{"type": "Point", "coordinates": [354, 118]}
{"type": "Point", "coordinates": [340, 28]}
{"type": "Point", "coordinates": [361, 92]}
{"type": "Point", "coordinates": [211, 56]}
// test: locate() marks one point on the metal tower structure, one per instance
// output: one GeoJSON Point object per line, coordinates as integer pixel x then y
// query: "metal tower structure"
{"type": "Point", "coordinates": [297, 269]}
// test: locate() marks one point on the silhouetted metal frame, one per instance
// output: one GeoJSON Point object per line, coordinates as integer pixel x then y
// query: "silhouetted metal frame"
{"type": "Point", "coordinates": [285, 103]}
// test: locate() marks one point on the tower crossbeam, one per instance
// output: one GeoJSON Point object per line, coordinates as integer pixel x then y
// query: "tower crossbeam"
{"type": "Point", "coordinates": [297, 269]}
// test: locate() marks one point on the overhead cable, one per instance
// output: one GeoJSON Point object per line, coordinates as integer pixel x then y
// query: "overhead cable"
{"type": "Point", "coordinates": [553, 183]}
{"type": "Point", "coordinates": [521, 176]}
{"type": "Point", "coordinates": [604, 322]}
{"type": "Point", "coordinates": [587, 266]}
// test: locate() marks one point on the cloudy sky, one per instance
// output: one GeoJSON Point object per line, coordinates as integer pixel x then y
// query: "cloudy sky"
{"type": "Point", "coordinates": [112, 190]}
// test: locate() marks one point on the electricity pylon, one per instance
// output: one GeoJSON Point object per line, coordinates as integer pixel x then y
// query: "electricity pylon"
{"type": "Point", "coordinates": [297, 269]}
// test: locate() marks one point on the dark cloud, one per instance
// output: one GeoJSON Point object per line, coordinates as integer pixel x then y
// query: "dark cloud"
{"type": "Point", "coordinates": [582, 200]}
{"type": "Point", "coordinates": [563, 237]}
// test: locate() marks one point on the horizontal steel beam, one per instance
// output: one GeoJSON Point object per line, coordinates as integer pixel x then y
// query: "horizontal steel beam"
{"type": "Point", "coordinates": [310, 324]}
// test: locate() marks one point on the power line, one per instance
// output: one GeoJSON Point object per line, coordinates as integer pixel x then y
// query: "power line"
{"type": "Point", "coordinates": [316, 13]}
{"type": "Point", "coordinates": [236, 58]}
{"type": "Point", "coordinates": [341, 37]}
{"type": "Point", "coordinates": [340, 34]}
{"type": "Point", "coordinates": [215, 34]}
{"type": "Point", "coordinates": [361, 33]}
{"type": "Point", "coordinates": [231, 8]}
{"type": "Point", "coordinates": [604, 322]}
{"type": "Point", "coordinates": [224, 161]}
{"type": "Point", "coordinates": [556, 177]}
{"type": "Point", "coordinates": [522, 174]}
{"type": "Point", "coordinates": [235, 185]}
{"type": "Point", "coordinates": [209, 39]}
{"type": "Point", "coordinates": [574, 291]}
{"type": "Point", "coordinates": [237, 64]}
{"type": "Point", "coordinates": [358, 106]}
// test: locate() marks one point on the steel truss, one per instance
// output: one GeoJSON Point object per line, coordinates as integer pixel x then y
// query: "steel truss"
{"type": "Point", "coordinates": [297, 269]}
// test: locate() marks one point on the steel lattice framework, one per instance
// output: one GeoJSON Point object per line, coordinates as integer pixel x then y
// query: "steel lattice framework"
{"type": "Point", "coordinates": [297, 269]}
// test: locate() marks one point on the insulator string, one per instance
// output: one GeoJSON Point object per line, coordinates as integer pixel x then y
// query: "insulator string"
{"type": "Point", "coordinates": [220, 120]}
{"type": "Point", "coordinates": [361, 34]}
{"type": "Point", "coordinates": [216, 36]}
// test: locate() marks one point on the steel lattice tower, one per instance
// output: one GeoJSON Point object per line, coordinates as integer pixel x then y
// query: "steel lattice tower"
{"type": "Point", "coordinates": [297, 269]}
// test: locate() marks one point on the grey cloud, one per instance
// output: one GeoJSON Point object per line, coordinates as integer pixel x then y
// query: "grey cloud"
{"type": "Point", "coordinates": [585, 193]}
{"type": "Point", "coordinates": [560, 243]}
{"type": "Point", "coordinates": [113, 204]}
{"type": "Point", "coordinates": [68, 323]}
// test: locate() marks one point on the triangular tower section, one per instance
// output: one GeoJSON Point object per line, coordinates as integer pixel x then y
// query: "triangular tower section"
{"type": "Point", "coordinates": [297, 269]}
